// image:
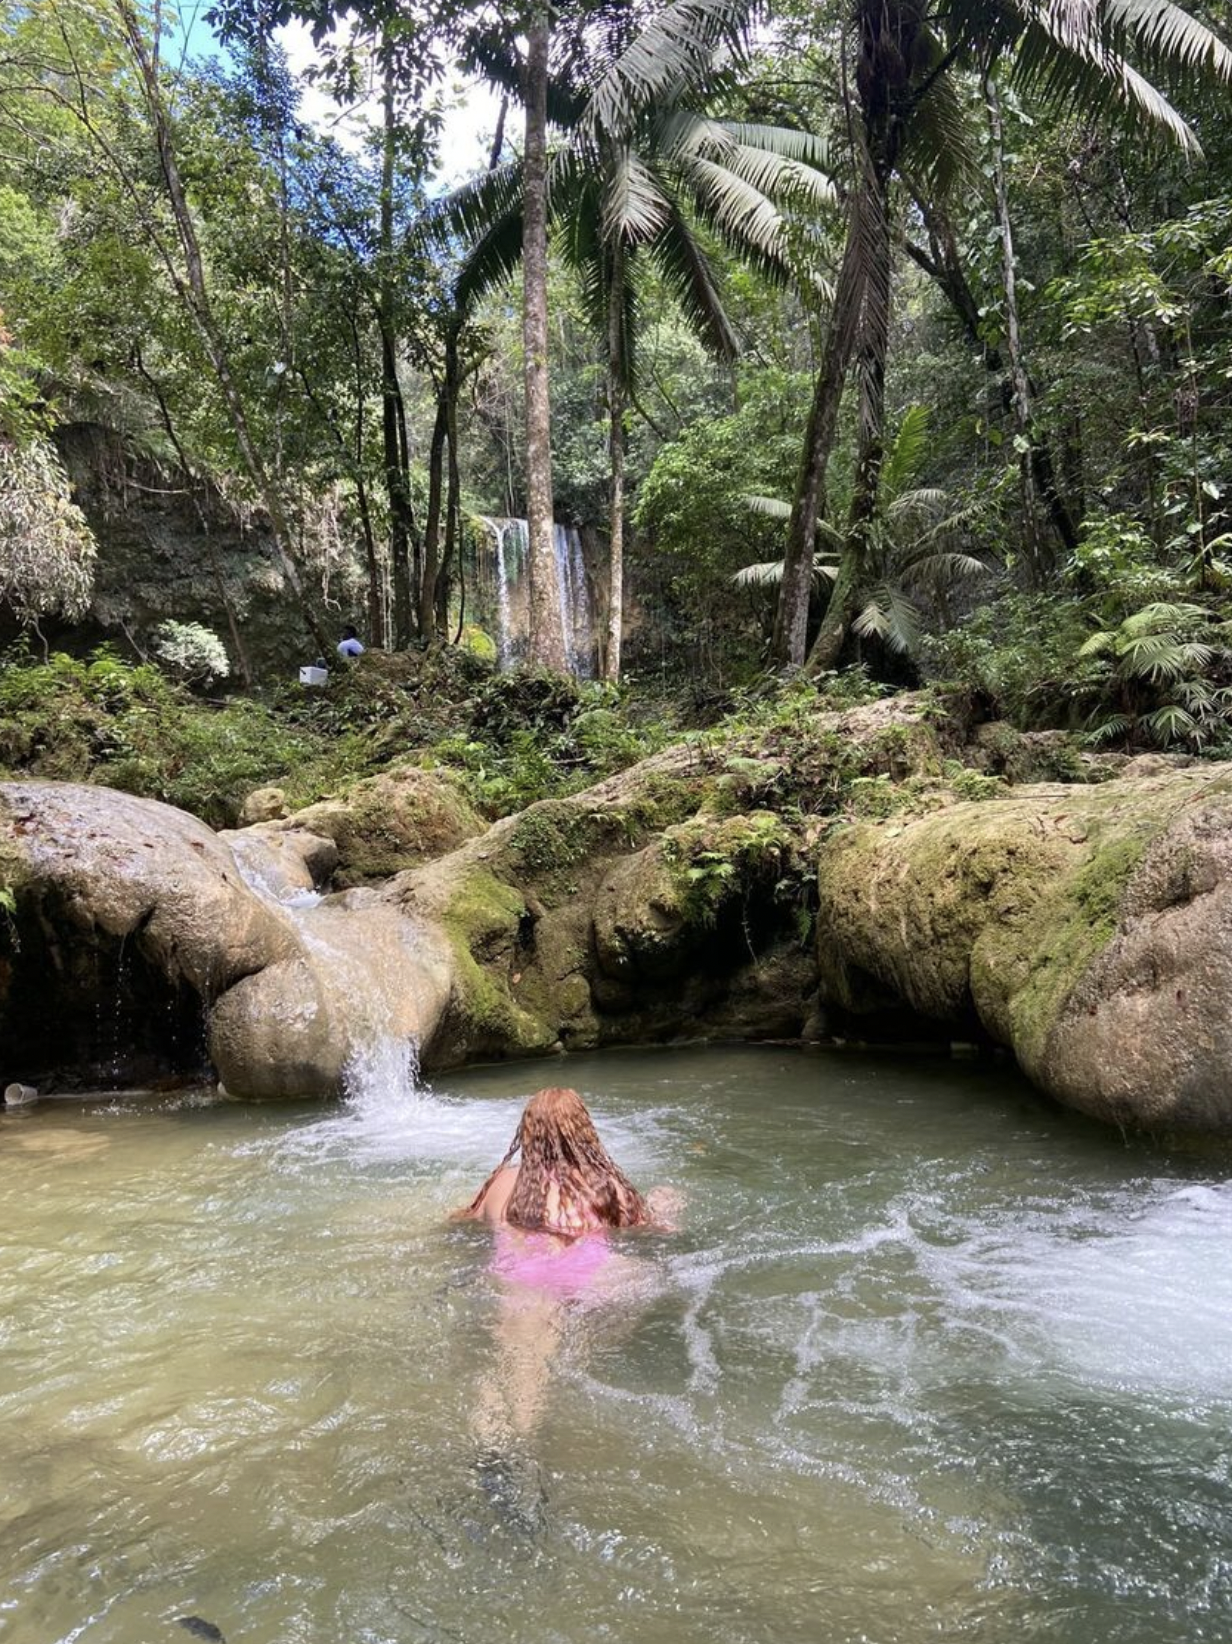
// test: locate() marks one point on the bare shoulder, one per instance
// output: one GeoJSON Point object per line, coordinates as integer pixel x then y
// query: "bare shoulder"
{"type": "Point", "coordinates": [492, 1203]}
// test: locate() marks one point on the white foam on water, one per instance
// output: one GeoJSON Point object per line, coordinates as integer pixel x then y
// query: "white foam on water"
{"type": "Point", "coordinates": [1133, 1294]}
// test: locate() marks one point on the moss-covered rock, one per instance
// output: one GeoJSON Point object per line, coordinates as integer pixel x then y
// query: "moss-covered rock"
{"type": "Point", "coordinates": [390, 822]}
{"type": "Point", "coordinates": [1088, 928]}
{"type": "Point", "coordinates": [551, 912]}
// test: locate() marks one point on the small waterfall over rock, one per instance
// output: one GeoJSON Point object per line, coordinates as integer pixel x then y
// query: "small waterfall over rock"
{"type": "Point", "coordinates": [369, 953]}
{"type": "Point", "coordinates": [510, 541]}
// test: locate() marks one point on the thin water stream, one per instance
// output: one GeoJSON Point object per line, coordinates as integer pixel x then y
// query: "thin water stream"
{"type": "Point", "coordinates": [926, 1360]}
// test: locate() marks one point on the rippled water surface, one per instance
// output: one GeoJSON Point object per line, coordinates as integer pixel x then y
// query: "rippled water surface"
{"type": "Point", "coordinates": [926, 1360]}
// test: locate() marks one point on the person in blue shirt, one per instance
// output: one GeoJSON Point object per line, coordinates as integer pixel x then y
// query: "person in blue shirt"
{"type": "Point", "coordinates": [349, 644]}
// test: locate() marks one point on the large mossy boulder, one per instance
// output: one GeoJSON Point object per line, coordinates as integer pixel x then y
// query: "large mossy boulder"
{"type": "Point", "coordinates": [630, 912]}
{"type": "Point", "coordinates": [1089, 929]}
{"type": "Point", "coordinates": [136, 947]}
{"type": "Point", "coordinates": [382, 824]}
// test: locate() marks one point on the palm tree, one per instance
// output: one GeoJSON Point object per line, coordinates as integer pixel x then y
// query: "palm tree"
{"type": "Point", "coordinates": [907, 121]}
{"type": "Point", "coordinates": [547, 636]}
{"type": "Point", "coordinates": [640, 181]}
{"type": "Point", "coordinates": [902, 552]}
{"type": "Point", "coordinates": [1157, 667]}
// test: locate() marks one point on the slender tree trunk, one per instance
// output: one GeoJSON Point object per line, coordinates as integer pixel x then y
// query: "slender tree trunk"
{"type": "Point", "coordinates": [194, 292]}
{"type": "Point", "coordinates": [378, 626]}
{"type": "Point", "coordinates": [453, 500]}
{"type": "Point", "coordinates": [616, 443]}
{"type": "Point", "coordinates": [882, 49]}
{"type": "Point", "coordinates": [354, 460]}
{"type": "Point", "coordinates": [827, 647]}
{"type": "Point", "coordinates": [946, 268]}
{"type": "Point", "coordinates": [432, 525]}
{"type": "Point", "coordinates": [396, 485]}
{"type": "Point", "coordinates": [874, 334]}
{"type": "Point", "coordinates": [1020, 390]}
{"type": "Point", "coordinates": [547, 640]}
{"type": "Point", "coordinates": [809, 506]}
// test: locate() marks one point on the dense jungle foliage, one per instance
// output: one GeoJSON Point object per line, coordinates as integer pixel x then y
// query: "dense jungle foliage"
{"type": "Point", "coordinates": [875, 339]}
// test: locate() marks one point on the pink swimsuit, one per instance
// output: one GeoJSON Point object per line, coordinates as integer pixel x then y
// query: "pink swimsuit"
{"type": "Point", "coordinates": [542, 1261]}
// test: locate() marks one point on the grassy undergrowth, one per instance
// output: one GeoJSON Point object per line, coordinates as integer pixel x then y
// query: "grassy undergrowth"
{"type": "Point", "coordinates": [513, 738]}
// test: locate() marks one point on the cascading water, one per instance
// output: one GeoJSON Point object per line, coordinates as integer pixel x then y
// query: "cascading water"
{"type": "Point", "coordinates": [510, 539]}
{"type": "Point", "coordinates": [382, 1072]}
{"type": "Point", "coordinates": [574, 599]}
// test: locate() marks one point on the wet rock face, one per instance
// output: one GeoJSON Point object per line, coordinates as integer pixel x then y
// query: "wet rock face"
{"type": "Point", "coordinates": [138, 948]}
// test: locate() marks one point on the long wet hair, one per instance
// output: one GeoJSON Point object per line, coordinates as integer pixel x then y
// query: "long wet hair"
{"type": "Point", "coordinates": [567, 1182]}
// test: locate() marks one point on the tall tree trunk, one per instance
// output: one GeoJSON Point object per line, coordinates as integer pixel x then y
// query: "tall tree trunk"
{"type": "Point", "coordinates": [1039, 557]}
{"type": "Point", "coordinates": [547, 640]}
{"type": "Point", "coordinates": [396, 483]}
{"type": "Point", "coordinates": [616, 442]}
{"type": "Point", "coordinates": [945, 266]}
{"type": "Point", "coordinates": [194, 293]}
{"type": "Point", "coordinates": [453, 496]}
{"type": "Point", "coordinates": [809, 506]}
{"type": "Point", "coordinates": [432, 525]}
{"type": "Point", "coordinates": [874, 333]}
{"type": "Point", "coordinates": [354, 460]}
{"type": "Point", "coordinates": [883, 49]}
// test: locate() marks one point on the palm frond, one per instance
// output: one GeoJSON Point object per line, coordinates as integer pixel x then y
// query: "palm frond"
{"type": "Point", "coordinates": [872, 621]}
{"type": "Point", "coordinates": [766, 573]}
{"type": "Point", "coordinates": [769, 573]}
{"type": "Point", "coordinates": [785, 180]}
{"type": "Point", "coordinates": [771, 507]}
{"type": "Point", "coordinates": [1109, 729]}
{"type": "Point", "coordinates": [469, 210]}
{"type": "Point", "coordinates": [1065, 55]}
{"type": "Point", "coordinates": [776, 508]}
{"type": "Point", "coordinates": [1169, 42]}
{"type": "Point", "coordinates": [924, 500]}
{"type": "Point", "coordinates": [938, 569]}
{"type": "Point", "coordinates": [1159, 657]}
{"type": "Point", "coordinates": [940, 145]}
{"type": "Point", "coordinates": [905, 456]}
{"type": "Point", "coordinates": [635, 206]}
{"type": "Point", "coordinates": [678, 45]}
{"type": "Point", "coordinates": [1100, 644]}
{"type": "Point", "coordinates": [490, 261]}
{"type": "Point", "coordinates": [737, 210]}
{"type": "Point", "coordinates": [1163, 614]}
{"type": "Point", "coordinates": [806, 148]}
{"type": "Point", "coordinates": [687, 273]}
{"type": "Point", "coordinates": [1170, 723]}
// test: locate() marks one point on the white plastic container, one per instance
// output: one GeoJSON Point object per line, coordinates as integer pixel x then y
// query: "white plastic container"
{"type": "Point", "coordinates": [313, 676]}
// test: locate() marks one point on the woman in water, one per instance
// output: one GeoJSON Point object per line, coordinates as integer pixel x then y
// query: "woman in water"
{"type": "Point", "coordinates": [552, 1211]}
{"type": "Point", "coordinates": [566, 1182]}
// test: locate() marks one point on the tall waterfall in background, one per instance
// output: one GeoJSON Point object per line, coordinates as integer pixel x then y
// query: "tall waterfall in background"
{"type": "Point", "coordinates": [574, 598]}
{"type": "Point", "coordinates": [510, 539]}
